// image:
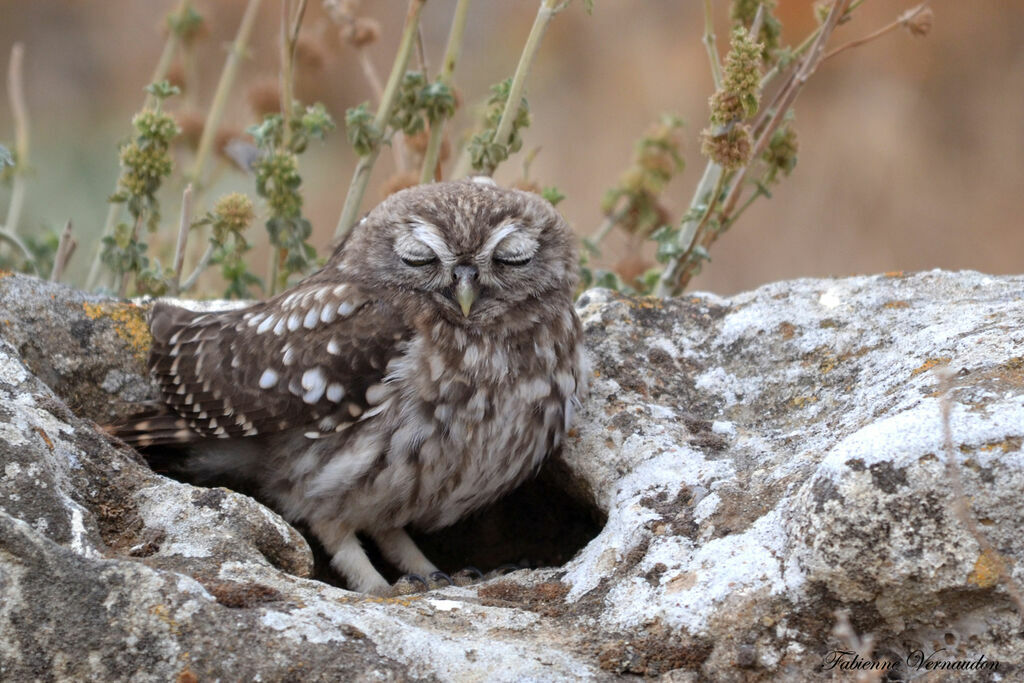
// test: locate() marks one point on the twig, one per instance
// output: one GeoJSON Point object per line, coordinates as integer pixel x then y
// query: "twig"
{"type": "Point", "coordinates": [710, 43]}
{"type": "Point", "coordinates": [19, 112]}
{"type": "Point", "coordinates": [451, 57]}
{"type": "Point", "coordinates": [114, 208]}
{"type": "Point", "coordinates": [901, 20]}
{"type": "Point", "coordinates": [65, 249]}
{"type": "Point", "coordinates": [503, 133]}
{"type": "Point", "coordinates": [122, 289]}
{"type": "Point", "coordinates": [290, 26]}
{"type": "Point", "coordinates": [421, 54]}
{"type": "Point", "coordinates": [163, 65]}
{"type": "Point", "coordinates": [204, 261]}
{"type": "Point", "coordinates": [361, 176]}
{"type": "Point", "coordinates": [688, 230]}
{"type": "Point", "coordinates": [678, 271]}
{"type": "Point", "coordinates": [220, 96]}
{"type": "Point", "coordinates": [183, 230]}
{"type": "Point", "coordinates": [960, 505]}
{"type": "Point", "coordinates": [800, 49]}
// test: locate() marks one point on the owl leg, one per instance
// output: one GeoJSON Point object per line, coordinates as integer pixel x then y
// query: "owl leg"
{"type": "Point", "coordinates": [349, 559]}
{"type": "Point", "coordinates": [401, 551]}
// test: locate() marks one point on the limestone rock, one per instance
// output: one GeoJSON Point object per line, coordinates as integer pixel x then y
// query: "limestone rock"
{"type": "Point", "coordinates": [760, 461]}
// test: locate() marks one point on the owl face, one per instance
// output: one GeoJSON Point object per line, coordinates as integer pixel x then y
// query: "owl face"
{"type": "Point", "coordinates": [466, 251]}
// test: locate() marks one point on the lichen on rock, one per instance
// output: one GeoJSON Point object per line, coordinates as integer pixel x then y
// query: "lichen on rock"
{"type": "Point", "coordinates": [757, 463]}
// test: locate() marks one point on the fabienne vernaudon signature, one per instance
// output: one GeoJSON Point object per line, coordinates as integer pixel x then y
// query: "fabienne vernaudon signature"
{"type": "Point", "coordinates": [918, 660]}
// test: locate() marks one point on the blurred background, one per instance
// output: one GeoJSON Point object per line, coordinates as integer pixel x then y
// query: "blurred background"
{"type": "Point", "coordinates": [911, 148]}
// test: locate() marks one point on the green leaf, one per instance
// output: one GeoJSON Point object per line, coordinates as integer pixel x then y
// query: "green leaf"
{"type": "Point", "coordinates": [162, 89]}
{"type": "Point", "coordinates": [552, 194]}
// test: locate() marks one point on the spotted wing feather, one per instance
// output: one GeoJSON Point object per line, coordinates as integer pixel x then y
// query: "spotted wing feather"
{"type": "Point", "coordinates": [303, 359]}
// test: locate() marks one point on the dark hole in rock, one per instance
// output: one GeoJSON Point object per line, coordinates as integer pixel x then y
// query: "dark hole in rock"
{"type": "Point", "coordinates": [543, 523]}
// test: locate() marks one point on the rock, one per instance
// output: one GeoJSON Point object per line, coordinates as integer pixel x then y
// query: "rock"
{"type": "Point", "coordinates": [757, 463]}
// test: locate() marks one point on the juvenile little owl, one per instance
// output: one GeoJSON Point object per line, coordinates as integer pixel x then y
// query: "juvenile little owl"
{"type": "Point", "coordinates": [425, 370]}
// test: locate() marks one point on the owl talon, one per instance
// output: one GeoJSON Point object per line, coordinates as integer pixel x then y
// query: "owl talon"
{"type": "Point", "coordinates": [467, 576]}
{"type": "Point", "coordinates": [407, 585]}
{"type": "Point", "coordinates": [437, 577]}
{"type": "Point", "coordinates": [507, 568]}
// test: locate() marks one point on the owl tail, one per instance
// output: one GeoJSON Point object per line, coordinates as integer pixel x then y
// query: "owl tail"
{"type": "Point", "coordinates": [155, 426]}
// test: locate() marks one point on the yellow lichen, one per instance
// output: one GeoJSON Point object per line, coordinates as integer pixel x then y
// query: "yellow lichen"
{"type": "Point", "coordinates": [929, 364]}
{"type": "Point", "coordinates": [987, 569]}
{"type": "Point", "coordinates": [129, 322]}
{"type": "Point", "coordinates": [896, 304]}
{"type": "Point", "coordinates": [801, 401]}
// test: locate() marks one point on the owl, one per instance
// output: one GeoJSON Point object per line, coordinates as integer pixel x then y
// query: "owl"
{"type": "Point", "coordinates": [429, 367]}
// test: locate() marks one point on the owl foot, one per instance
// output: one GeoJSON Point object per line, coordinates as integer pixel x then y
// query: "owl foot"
{"type": "Point", "coordinates": [407, 585]}
{"type": "Point", "coordinates": [467, 576]}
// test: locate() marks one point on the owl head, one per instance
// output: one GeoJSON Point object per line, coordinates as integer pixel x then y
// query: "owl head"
{"type": "Point", "coordinates": [468, 252]}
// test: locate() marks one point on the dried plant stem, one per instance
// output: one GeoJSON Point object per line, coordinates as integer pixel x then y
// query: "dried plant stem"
{"type": "Point", "coordinates": [183, 229]}
{"type": "Point", "coordinates": [710, 44]}
{"type": "Point", "coordinates": [900, 21]}
{"type": "Point", "coordinates": [163, 65]}
{"type": "Point", "coordinates": [19, 113]}
{"type": "Point", "coordinates": [503, 133]}
{"type": "Point", "coordinates": [65, 249]}
{"type": "Point", "coordinates": [800, 49]}
{"type": "Point", "coordinates": [688, 229]}
{"type": "Point", "coordinates": [290, 26]}
{"type": "Point", "coordinates": [114, 208]}
{"type": "Point", "coordinates": [681, 268]}
{"type": "Point", "coordinates": [220, 96]}
{"type": "Point", "coordinates": [361, 176]}
{"type": "Point", "coordinates": [204, 261]}
{"type": "Point", "coordinates": [451, 57]}
{"type": "Point", "coordinates": [122, 289]}
{"type": "Point", "coordinates": [961, 506]}
{"type": "Point", "coordinates": [373, 79]}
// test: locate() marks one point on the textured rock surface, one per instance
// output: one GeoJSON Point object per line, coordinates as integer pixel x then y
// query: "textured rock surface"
{"type": "Point", "coordinates": [762, 461]}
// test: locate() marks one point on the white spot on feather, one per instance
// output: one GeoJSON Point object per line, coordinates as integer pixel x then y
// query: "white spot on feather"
{"type": "Point", "coordinates": [311, 317]}
{"type": "Point", "coordinates": [333, 348]}
{"type": "Point", "coordinates": [328, 314]}
{"type": "Point", "coordinates": [335, 392]}
{"type": "Point", "coordinates": [289, 355]}
{"type": "Point", "coordinates": [345, 308]}
{"type": "Point", "coordinates": [266, 324]}
{"type": "Point", "coordinates": [279, 327]}
{"type": "Point", "coordinates": [314, 382]}
{"type": "Point", "coordinates": [255, 320]}
{"type": "Point", "coordinates": [268, 379]}
{"type": "Point", "coordinates": [294, 320]}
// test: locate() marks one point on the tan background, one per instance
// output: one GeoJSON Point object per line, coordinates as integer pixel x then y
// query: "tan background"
{"type": "Point", "coordinates": [911, 157]}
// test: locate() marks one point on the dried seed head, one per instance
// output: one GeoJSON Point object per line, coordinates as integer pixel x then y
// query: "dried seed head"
{"type": "Point", "coordinates": [264, 96]}
{"type": "Point", "coordinates": [176, 76]}
{"type": "Point", "coordinates": [309, 55]}
{"type": "Point", "coordinates": [361, 31]}
{"type": "Point", "coordinates": [191, 123]}
{"type": "Point", "coordinates": [730, 149]}
{"type": "Point", "coordinates": [399, 181]}
{"type": "Point", "coordinates": [920, 24]}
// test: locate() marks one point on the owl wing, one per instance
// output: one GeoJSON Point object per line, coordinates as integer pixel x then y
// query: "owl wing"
{"type": "Point", "coordinates": [303, 359]}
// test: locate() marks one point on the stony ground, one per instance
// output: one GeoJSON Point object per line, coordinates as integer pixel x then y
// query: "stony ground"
{"type": "Point", "coordinates": [749, 465]}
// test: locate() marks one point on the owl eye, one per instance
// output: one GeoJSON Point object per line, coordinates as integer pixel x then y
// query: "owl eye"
{"type": "Point", "coordinates": [418, 261]}
{"type": "Point", "coordinates": [513, 260]}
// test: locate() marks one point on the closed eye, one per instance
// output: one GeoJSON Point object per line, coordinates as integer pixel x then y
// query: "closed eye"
{"type": "Point", "coordinates": [516, 260]}
{"type": "Point", "coordinates": [418, 261]}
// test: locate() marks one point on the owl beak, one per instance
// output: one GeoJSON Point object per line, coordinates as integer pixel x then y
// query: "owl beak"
{"type": "Point", "coordinates": [466, 290]}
